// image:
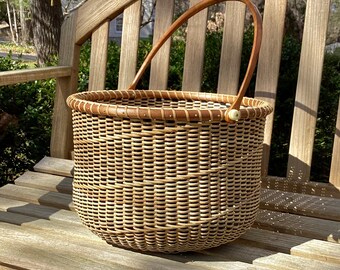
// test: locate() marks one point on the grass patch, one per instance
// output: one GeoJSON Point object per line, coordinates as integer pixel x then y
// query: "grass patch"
{"type": "Point", "coordinates": [16, 49]}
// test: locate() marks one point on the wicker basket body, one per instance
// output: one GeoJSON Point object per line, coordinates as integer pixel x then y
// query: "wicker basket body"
{"type": "Point", "coordinates": [156, 184]}
{"type": "Point", "coordinates": [169, 171]}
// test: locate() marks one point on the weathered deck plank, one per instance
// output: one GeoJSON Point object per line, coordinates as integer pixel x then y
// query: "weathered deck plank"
{"type": "Point", "coordinates": [275, 241]}
{"type": "Point", "coordinates": [299, 225]}
{"type": "Point", "coordinates": [45, 181]}
{"type": "Point", "coordinates": [58, 166]}
{"type": "Point", "coordinates": [65, 230]}
{"type": "Point", "coordinates": [281, 261]}
{"type": "Point", "coordinates": [37, 216]}
{"type": "Point", "coordinates": [318, 250]}
{"type": "Point", "coordinates": [85, 257]}
{"type": "Point", "coordinates": [309, 187]}
{"type": "Point", "coordinates": [38, 252]}
{"type": "Point", "coordinates": [57, 232]}
{"type": "Point", "coordinates": [7, 266]}
{"type": "Point", "coordinates": [37, 196]}
{"type": "Point", "coordinates": [301, 204]}
{"type": "Point", "coordinates": [38, 211]}
{"type": "Point", "coordinates": [85, 239]}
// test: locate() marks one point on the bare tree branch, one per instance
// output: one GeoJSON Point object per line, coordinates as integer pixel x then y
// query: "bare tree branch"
{"type": "Point", "coordinates": [145, 20]}
{"type": "Point", "coordinates": [77, 6]}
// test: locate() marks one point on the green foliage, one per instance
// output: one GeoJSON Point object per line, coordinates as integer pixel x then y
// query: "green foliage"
{"type": "Point", "coordinates": [211, 61]}
{"type": "Point", "coordinates": [3, 11]}
{"type": "Point", "coordinates": [337, 51]}
{"type": "Point", "coordinates": [27, 139]}
{"type": "Point", "coordinates": [176, 65]}
{"type": "Point", "coordinates": [16, 3]}
{"type": "Point", "coordinates": [113, 66]}
{"type": "Point", "coordinates": [284, 106]}
{"type": "Point", "coordinates": [144, 48]}
{"type": "Point", "coordinates": [84, 66]}
{"type": "Point", "coordinates": [326, 120]}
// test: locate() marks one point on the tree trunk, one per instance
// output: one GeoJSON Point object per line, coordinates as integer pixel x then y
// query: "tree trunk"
{"type": "Point", "coordinates": [10, 20]}
{"type": "Point", "coordinates": [295, 17]}
{"type": "Point", "coordinates": [46, 24]}
{"type": "Point", "coordinates": [23, 25]}
{"type": "Point", "coordinates": [16, 33]}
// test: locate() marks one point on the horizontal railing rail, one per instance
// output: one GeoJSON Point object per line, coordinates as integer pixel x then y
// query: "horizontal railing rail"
{"type": "Point", "coordinates": [26, 75]}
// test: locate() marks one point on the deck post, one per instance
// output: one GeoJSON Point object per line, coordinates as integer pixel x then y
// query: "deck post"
{"type": "Point", "coordinates": [61, 137]}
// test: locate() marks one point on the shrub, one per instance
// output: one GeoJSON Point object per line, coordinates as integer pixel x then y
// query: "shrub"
{"type": "Point", "coordinates": [326, 120]}
{"type": "Point", "coordinates": [287, 82]}
{"type": "Point", "coordinates": [27, 139]}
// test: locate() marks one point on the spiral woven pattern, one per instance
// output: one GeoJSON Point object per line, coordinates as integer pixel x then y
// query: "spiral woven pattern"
{"type": "Point", "coordinates": [166, 185]}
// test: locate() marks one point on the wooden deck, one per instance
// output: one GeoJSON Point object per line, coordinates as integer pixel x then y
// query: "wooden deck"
{"type": "Point", "coordinates": [40, 230]}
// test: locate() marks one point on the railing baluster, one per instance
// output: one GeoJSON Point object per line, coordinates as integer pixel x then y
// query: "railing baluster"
{"type": "Point", "coordinates": [335, 166]}
{"type": "Point", "coordinates": [228, 79]}
{"type": "Point", "coordinates": [308, 90]}
{"type": "Point", "coordinates": [160, 64]}
{"type": "Point", "coordinates": [129, 45]}
{"type": "Point", "coordinates": [194, 58]}
{"type": "Point", "coordinates": [98, 61]}
{"type": "Point", "coordinates": [269, 65]}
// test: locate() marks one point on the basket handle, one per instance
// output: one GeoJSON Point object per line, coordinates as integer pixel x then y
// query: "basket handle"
{"type": "Point", "coordinates": [232, 114]}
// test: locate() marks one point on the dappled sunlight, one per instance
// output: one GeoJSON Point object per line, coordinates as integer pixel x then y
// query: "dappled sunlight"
{"type": "Point", "coordinates": [300, 204]}
{"type": "Point", "coordinates": [298, 225]}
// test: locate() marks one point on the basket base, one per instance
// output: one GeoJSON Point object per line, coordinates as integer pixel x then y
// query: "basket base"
{"type": "Point", "coordinates": [193, 238]}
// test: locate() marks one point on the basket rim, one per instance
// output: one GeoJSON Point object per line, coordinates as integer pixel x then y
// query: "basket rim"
{"type": "Point", "coordinates": [90, 103]}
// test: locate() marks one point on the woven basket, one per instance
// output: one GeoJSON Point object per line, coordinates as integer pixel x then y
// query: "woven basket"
{"type": "Point", "coordinates": [168, 171]}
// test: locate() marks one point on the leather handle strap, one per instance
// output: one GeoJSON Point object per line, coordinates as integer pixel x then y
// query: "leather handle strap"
{"type": "Point", "coordinates": [232, 114]}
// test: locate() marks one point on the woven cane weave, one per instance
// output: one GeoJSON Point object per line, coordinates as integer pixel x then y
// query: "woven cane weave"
{"type": "Point", "coordinates": [169, 171]}
{"type": "Point", "coordinates": [162, 171]}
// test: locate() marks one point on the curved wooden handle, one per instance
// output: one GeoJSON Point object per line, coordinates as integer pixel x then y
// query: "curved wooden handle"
{"type": "Point", "coordinates": [232, 113]}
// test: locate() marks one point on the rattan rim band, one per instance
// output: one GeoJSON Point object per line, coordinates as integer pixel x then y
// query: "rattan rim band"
{"type": "Point", "coordinates": [88, 102]}
{"type": "Point", "coordinates": [182, 226]}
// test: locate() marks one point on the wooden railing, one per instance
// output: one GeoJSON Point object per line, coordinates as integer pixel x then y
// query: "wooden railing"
{"type": "Point", "coordinates": [26, 75]}
{"type": "Point", "coordinates": [92, 19]}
